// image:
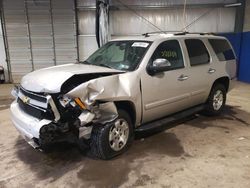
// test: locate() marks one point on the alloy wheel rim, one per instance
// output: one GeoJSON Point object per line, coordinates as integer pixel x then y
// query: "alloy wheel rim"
{"type": "Point", "coordinates": [118, 134]}
{"type": "Point", "coordinates": [218, 100]}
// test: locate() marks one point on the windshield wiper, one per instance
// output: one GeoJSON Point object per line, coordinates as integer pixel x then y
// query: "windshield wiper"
{"type": "Point", "coordinates": [101, 64]}
{"type": "Point", "coordinates": [104, 65]}
{"type": "Point", "coordinates": [85, 62]}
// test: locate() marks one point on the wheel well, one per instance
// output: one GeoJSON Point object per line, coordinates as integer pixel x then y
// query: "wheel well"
{"type": "Point", "coordinates": [129, 107]}
{"type": "Point", "coordinates": [224, 81]}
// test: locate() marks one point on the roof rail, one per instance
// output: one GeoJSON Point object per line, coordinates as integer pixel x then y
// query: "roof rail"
{"type": "Point", "coordinates": [176, 33]}
{"type": "Point", "coordinates": [195, 33]}
{"type": "Point", "coordinates": [159, 32]}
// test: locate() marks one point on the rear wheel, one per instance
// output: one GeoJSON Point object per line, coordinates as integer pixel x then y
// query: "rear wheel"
{"type": "Point", "coordinates": [216, 100]}
{"type": "Point", "coordinates": [113, 138]}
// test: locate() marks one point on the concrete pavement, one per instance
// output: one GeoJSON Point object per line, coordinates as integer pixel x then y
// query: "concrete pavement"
{"type": "Point", "coordinates": [200, 152]}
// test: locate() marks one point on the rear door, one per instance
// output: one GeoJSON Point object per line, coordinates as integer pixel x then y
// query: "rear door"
{"type": "Point", "coordinates": [201, 68]}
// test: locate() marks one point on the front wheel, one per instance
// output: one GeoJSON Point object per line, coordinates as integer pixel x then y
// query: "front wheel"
{"type": "Point", "coordinates": [216, 100]}
{"type": "Point", "coordinates": [112, 139]}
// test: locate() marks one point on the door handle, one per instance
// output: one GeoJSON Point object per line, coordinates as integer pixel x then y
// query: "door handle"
{"type": "Point", "coordinates": [182, 77]}
{"type": "Point", "coordinates": [210, 71]}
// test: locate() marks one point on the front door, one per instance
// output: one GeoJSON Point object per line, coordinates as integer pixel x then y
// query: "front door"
{"type": "Point", "coordinates": [166, 92]}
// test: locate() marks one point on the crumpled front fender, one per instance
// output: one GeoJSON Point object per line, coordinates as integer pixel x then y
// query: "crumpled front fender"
{"type": "Point", "coordinates": [119, 87]}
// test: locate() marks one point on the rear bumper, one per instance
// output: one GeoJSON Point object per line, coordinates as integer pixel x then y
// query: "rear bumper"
{"type": "Point", "coordinates": [28, 126]}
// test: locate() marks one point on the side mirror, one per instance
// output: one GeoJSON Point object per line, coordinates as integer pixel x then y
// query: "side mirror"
{"type": "Point", "coordinates": [159, 65]}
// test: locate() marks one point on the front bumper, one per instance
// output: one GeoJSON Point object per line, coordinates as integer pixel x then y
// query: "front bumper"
{"type": "Point", "coordinates": [39, 132]}
{"type": "Point", "coordinates": [28, 126]}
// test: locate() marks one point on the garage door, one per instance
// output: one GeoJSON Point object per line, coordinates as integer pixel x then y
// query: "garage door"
{"type": "Point", "coordinates": [39, 34]}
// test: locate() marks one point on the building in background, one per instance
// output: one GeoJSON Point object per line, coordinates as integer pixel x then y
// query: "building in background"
{"type": "Point", "coordinates": [39, 34]}
{"type": "Point", "coordinates": [3, 62]}
{"type": "Point", "coordinates": [42, 33]}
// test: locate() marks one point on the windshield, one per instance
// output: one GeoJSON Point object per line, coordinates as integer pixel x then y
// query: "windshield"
{"type": "Point", "coordinates": [120, 55]}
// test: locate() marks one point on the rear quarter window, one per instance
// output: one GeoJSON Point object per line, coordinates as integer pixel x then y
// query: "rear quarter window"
{"type": "Point", "coordinates": [222, 49]}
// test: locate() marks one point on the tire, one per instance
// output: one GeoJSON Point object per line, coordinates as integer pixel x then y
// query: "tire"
{"type": "Point", "coordinates": [216, 100]}
{"type": "Point", "coordinates": [105, 143]}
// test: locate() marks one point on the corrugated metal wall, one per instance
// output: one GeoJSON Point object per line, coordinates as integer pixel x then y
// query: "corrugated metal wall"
{"type": "Point", "coordinates": [247, 16]}
{"type": "Point", "coordinates": [220, 20]}
{"type": "Point", "coordinates": [167, 15]}
{"type": "Point", "coordinates": [3, 62]}
{"type": "Point", "coordinates": [39, 34]}
{"type": "Point", "coordinates": [87, 39]}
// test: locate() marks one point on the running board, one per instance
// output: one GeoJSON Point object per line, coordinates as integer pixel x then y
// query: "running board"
{"type": "Point", "coordinates": [161, 123]}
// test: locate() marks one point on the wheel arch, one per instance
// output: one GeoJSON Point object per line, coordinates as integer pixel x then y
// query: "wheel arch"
{"type": "Point", "coordinates": [222, 80]}
{"type": "Point", "coordinates": [129, 107]}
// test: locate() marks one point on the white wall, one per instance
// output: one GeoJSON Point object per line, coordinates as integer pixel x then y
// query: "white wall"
{"type": "Point", "coordinates": [216, 20]}
{"type": "Point", "coordinates": [124, 22]}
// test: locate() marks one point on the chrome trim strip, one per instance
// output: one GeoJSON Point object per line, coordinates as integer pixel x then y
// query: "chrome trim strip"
{"type": "Point", "coordinates": [32, 93]}
{"type": "Point", "coordinates": [198, 92]}
{"type": "Point", "coordinates": [53, 107]}
{"type": "Point", "coordinates": [38, 108]}
{"type": "Point", "coordinates": [166, 101]}
{"type": "Point", "coordinates": [31, 101]}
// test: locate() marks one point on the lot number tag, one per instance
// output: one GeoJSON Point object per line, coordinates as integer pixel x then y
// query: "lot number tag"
{"type": "Point", "coordinates": [140, 44]}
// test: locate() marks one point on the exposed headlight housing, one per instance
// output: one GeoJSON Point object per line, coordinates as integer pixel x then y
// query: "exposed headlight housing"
{"type": "Point", "coordinates": [80, 103]}
{"type": "Point", "coordinates": [66, 101]}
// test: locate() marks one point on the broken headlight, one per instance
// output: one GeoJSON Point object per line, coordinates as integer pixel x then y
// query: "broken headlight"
{"type": "Point", "coordinates": [79, 102]}
{"type": "Point", "coordinates": [66, 101]}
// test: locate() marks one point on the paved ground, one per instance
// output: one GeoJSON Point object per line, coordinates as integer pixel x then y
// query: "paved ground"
{"type": "Point", "coordinates": [201, 152]}
{"type": "Point", "coordinates": [5, 97]}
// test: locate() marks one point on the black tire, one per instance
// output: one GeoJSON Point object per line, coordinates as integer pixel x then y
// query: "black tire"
{"type": "Point", "coordinates": [210, 109]}
{"type": "Point", "coordinates": [83, 145]}
{"type": "Point", "coordinates": [99, 141]}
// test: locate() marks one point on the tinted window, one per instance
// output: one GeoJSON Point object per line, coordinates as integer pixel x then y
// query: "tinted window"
{"type": "Point", "coordinates": [222, 49]}
{"type": "Point", "coordinates": [197, 52]}
{"type": "Point", "coordinates": [171, 51]}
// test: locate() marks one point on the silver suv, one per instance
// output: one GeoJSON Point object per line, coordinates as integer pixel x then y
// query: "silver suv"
{"type": "Point", "coordinates": [128, 85]}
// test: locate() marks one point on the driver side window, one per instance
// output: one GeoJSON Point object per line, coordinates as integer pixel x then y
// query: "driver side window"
{"type": "Point", "coordinates": [171, 51]}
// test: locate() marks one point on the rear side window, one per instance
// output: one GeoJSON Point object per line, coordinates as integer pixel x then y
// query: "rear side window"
{"type": "Point", "coordinates": [197, 52]}
{"type": "Point", "coordinates": [222, 49]}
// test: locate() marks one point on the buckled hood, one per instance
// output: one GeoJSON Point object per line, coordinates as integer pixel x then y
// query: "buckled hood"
{"type": "Point", "coordinates": [50, 79]}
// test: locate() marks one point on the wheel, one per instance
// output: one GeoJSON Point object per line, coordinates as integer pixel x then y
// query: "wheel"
{"type": "Point", "coordinates": [216, 100]}
{"type": "Point", "coordinates": [112, 139]}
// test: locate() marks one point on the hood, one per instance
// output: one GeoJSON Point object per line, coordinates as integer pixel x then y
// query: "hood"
{"type": "Point", "coordinates": [50, 80]}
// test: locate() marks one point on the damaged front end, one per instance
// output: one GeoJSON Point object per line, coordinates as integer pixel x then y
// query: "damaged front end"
{"type": "Point", "coordinates": [43, 119]}
{"type": "Point", "coordinates": [77, 122]}
{"type": "Point", "coordinates": [46, 112]}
